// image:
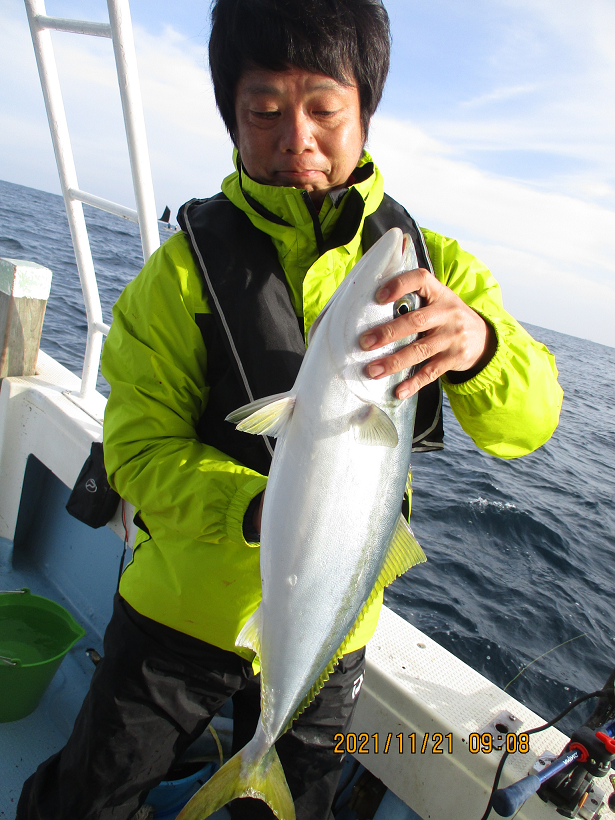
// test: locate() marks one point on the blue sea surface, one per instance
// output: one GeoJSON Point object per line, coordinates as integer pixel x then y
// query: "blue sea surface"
{"type": "Point", "coordinates": [34, 227]}
{"type": "Point", "coordinates": [521, 553]}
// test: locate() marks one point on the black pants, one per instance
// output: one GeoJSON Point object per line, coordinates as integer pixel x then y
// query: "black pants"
{"type": "Point", "coordinates": [151, 696]}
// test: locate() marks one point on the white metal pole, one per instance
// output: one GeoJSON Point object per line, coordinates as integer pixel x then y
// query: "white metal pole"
{"type": "Point", "coordinates": [54, 105]}
{"type": "Point", "coordinates": [105, 205]}
{"type": "Point", "coordinates": [132, 106]}
{"type": "Point", "coordinates": [75, 26]}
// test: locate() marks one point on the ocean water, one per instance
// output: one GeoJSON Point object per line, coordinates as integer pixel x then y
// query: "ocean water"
{"type": "Point", "coordinates": [521, 553]}
{"type": "Point", "coordinates": [33, 226]}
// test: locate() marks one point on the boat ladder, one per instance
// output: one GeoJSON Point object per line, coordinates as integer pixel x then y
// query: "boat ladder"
{"type": "Point", "coordinates": [119, 30]}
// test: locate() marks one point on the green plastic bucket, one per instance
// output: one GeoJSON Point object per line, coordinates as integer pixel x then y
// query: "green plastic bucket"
{"type": "Point", "coordinates": [35, 635]}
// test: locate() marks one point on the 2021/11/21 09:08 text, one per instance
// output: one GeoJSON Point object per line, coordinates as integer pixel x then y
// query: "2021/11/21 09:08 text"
{"type": "Point", "coordinates": [436, 743]}
{"type": "Point", "coordinates": [362, 743]}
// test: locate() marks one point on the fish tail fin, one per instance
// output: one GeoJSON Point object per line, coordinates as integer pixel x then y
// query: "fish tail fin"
{"type": "Point", "coordinates": [244, 775]}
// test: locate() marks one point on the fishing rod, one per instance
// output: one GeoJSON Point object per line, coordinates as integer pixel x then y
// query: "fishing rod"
{"type": "Point", "coordinates": [567, 780]}
{"type": "Point", "coordinates": [588, 752]}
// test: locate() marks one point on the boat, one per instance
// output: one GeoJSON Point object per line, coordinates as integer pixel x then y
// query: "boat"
{"type": "Point", "coordinates": [429, 730]}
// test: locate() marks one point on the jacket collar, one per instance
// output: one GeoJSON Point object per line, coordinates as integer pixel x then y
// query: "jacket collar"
{"type": "Point", "coordinates": [276, 209]}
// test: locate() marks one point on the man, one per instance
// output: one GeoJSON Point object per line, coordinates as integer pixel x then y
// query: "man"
{"type": "Point", "coordinates": [218, 316]}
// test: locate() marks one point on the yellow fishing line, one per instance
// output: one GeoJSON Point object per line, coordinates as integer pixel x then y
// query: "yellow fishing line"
{"type": "Point", "coordinates": [582, 635]}
{"type": "Point", "coordinates": [214, 734]}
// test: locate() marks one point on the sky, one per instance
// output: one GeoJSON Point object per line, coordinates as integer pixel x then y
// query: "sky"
{"type": "Point", "coordinates": [497, 128]}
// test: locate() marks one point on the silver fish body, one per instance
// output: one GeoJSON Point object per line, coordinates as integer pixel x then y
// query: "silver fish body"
{"type": "Point", "coordinates": [332, 500]}
{"type": "Point", "coordinates": [332, 534]}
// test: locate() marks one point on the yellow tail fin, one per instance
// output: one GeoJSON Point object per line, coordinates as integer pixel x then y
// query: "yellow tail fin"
{"type": "Point", "coordinates": [244, 776]}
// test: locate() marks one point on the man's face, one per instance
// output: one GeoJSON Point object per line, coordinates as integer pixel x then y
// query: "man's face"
{"type": "Point", "coordinates": [298, 129]}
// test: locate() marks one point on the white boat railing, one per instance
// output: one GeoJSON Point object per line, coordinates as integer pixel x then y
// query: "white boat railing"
{"type": "Point", "coordinates": [119, 30]}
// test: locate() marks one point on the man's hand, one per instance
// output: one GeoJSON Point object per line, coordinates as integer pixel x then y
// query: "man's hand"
{"type": "Point", "coordinates": [455, 339]}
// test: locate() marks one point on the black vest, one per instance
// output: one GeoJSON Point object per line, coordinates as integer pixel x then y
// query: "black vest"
{"type": "Point", "coordinates": [254, 340]}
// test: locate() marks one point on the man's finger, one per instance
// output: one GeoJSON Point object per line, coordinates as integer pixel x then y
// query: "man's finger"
{"type": "Point", "coordinates": [427, 374]}
{"type": "Point", "coordinates": [413, 281]}
{"type": "Point", "coordinates": [406, 357]}
{"type": "Point", "coordinates": [415, 321]}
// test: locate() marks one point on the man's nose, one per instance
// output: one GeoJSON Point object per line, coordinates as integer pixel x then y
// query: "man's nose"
{"type": "Point", "coordinates": [297, 134]}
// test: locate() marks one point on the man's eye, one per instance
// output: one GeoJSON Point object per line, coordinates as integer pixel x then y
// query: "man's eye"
{"type": "Point", "coordinates": [325, 113]}
{"type": "Point", "coordinates": [266, 115]}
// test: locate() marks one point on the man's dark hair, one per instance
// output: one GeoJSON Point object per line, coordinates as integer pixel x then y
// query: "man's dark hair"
{"type": "Point", "coordinates": [348, 40]}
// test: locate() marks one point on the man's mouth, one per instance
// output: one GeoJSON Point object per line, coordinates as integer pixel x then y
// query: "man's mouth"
{"type": "Point", "coordinates": [301, 171]}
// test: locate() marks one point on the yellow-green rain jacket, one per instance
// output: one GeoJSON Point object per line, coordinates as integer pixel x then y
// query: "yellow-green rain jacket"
{"type": "Point", "coordinates": [196, 573]}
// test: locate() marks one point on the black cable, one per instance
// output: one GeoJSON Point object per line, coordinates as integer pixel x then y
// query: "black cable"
{"type": "Point", "coordinates": [569, 708]}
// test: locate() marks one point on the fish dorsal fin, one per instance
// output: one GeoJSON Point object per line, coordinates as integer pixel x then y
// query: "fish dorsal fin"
{"type": "Point", "coordinates": [403, 553]}
{"type": "Point", "coordinates": [371, 425]}
{"type": "Point", "coordinates": [267, 416]}
{"type": "Point", "coordinates": [250, 635]}
{"type": "Point", "coordinates": [409, 484]}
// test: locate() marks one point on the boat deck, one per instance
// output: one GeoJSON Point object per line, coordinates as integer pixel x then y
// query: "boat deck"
{"type": "Point", "coordinates": [47, 538]}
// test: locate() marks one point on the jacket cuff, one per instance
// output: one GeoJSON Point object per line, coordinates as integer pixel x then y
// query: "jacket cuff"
{"type": "Point", "coordinates": [238, 508]}
{"type": "Point", "coordinates": [491, 372]}
{"type": "Point", "coordinates": [250, 534]}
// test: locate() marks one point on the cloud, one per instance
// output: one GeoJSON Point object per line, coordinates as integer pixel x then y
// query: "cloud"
{"type": "Point", "coordinates": [551, 251]}
{"type": "Point", "coordinates": [188, 145]}
{"type": "Point", "coordinates": [499, 95]}
{"type": "Point", "coordinates": [25, 145]}
{"type": "Point", "coordinates": [536, 102]}
{"type": "Point", "coordinates": [541, 292]}
{"type": "Point", "coordinates": [190, 149]}
{"type": "Point", "coordinates": [514, 78]}
{"type": "Point", "coordinates": [509, 212]}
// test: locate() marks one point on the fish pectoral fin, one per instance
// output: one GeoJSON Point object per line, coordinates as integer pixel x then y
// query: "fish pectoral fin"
{"type": "Point", "coordinates": [371, 425]}
{"type": "Point", "coordinates": [244, 776]}
{"type": "Point", "coordinates": [250, 635]}
{"type": "Point", "coordinates": [264, 416]}
{"type": "Point", "coordinates": [404, 552]}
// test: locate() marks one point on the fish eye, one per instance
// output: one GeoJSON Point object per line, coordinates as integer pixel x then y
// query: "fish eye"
{"type": "Point", "coordinates": [407, 303]}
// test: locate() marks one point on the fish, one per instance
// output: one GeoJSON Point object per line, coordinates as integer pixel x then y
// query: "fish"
{"type": "Point", "coordinates": [332, 534]}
